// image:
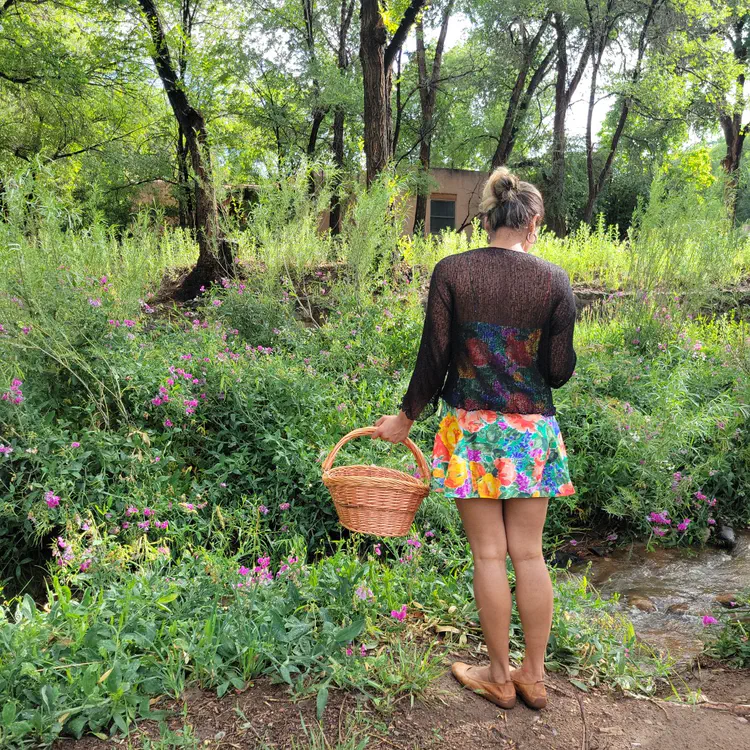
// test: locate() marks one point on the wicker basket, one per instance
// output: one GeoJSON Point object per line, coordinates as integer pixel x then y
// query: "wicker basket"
{"type": "Point", "coordinates": [374, 500]}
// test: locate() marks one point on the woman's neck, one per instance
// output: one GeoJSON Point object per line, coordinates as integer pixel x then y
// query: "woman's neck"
{"type": "Point", "coordinates": [506, 241]}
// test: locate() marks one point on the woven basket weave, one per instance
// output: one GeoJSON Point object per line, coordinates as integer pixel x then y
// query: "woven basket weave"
{"type": "Point", "coordinates": [375, 500]}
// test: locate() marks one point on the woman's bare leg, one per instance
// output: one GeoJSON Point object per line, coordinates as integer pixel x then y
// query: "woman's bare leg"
{"type": "Point", "coordinates": [524, 521]}
{"type": "Point", "coordinates": [483, 522]}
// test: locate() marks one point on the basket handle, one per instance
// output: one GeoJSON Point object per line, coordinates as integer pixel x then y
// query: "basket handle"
{"type": "Point", "coordinates": [422, 465]}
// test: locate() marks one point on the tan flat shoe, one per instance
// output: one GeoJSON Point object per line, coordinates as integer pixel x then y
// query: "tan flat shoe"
{"type": "Point", "coordinates": [502, 694]}
{"type": "Point", "coordinates": [533, 694]}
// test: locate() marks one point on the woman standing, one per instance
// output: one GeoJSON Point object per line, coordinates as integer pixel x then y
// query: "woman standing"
{"type": "Point", "coordinates": [497, 337]}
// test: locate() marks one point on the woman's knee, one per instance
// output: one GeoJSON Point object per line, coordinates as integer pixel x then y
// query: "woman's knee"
{"type": "Point", "coordinates": [494, 554]}
{"type": "Point", "coordinates": [524, 552]}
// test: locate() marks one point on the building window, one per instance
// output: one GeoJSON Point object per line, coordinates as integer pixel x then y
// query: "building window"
{"type": "Point", "coordinates": [442, 215]}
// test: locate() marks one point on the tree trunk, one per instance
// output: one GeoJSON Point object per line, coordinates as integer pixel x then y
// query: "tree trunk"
{"type": "Point", "coordinates": [556, 205]}
{"type": "Point", "coordinates": [338, 158]}
{"type": "Point", "coordinates": [377, 64]}
{"type": "Point", "coordinates": [339, 116]}
{"type": "Point", "coordinates": [596, 184]}
{"type": "Point", "coordinates": [214, 256]}
{"type": "Point", "coordinates": [372, 55]}
{"type": "Point", "coordinates": [427, 99]}
{"type": "Point", "coordinates": [731, 122]}
{"type": "Point", "coordinates": [557, 209]}
{"type": "Point", "coordinates": [520, 96]}
{"type": "Point", "coordinates": [184, 187]}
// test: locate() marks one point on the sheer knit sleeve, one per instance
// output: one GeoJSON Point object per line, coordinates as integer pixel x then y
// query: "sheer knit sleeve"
{"type": "Point", "coordinates": [561, 356]}
{"type": "Point", "coordinates": [435, 349]}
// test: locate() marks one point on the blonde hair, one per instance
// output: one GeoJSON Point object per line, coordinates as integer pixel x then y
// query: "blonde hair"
{"type": "Point", "coordinates": [508, 201]}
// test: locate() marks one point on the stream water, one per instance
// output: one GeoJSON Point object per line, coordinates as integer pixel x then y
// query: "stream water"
{"type": "Point", "coordinates": [667, 592]}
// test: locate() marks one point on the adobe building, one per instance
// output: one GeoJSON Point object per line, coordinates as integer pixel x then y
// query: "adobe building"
{"type": "Point", "coordinates": [453, 203]}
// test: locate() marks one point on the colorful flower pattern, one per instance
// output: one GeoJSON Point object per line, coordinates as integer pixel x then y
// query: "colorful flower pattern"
{"type": "Point", "coordinates": [498, 368]}
{"type": "Point", "coordinates": [494, 455]}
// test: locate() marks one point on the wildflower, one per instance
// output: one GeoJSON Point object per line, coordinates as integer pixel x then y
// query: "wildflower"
{"type": "Point", "coordinates": [144, 525]}
{"type": "Point", "coordinates": [128, 323]}
{"type": "Point", "coordinates": [573, 542]}
{"type": "Point", "coordinates": [263, 509]}
{"type": "Point", "coordinates": [708, 620]}
{"type": "Point", "coordinates": [711, 521]}
{"type": "Point", "coordinates": [363, 650]}
{"type": "Point", "coordinates": [364, 593]}
{"type": "Point", "coordinates": [5, 450]}
{"type": "Point", "coordinates": [349, 651]}
{"type": "Point", "coordinates": [683, 526]}
{"type": "Point", "coordinates": [377, 550]}
{"type": "Point", "coordinates": [659, 518]}
{"type": "Point", "coordinates": [188, 506]}
{"type": "Point", "coordinates": [243, 571]}
{"type": "Point", "coordinates": [429, 534]}
{"type": "Point", "coordinates": [414, 543]}
{"type": "Point", "coordinates": [51, 499]}
{"type": "Point", "coordinates": [75, 444]}
{"type": "Point", "coordinates": [85, 565]}
{"type": "Point", "coordinates": [284, 506]}
{"type": "Point", "coordinates": [26, 330]}
{"type": "Point", "coordinates": [156, 401]}
{"type": "Point", "coordinates": [131, 510]}
{"type": "Point", "coordinates": [95, 302]}
{"type": "Point", "coordinates": [340, 407]}
{"type": "Point", "coordinates": [163, 550]}
{"type": "Point", "coordinates": [700, 496]}
{"type": "Point", "coordinates": [148, 512]}
{"type": "Point", "coordinates": [216, 303]}
{"type": "Point", "coordinates": [167, 422]}
{"type": "Point", "coordinates": [125, 525]}
{"type": "Point", "coordinates": [400, 614]}
{"type": "Point", "coordinates": [612, 537]}
{"type": "Point", "coordinates": [658, 531]}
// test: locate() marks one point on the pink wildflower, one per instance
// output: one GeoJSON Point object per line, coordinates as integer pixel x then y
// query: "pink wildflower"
{"type": "Point", "coordinates": [400, 614]}
{"type": "Point", "coordinates": [51, 499]}
{"type": "Point", "coordinates": [708, 620]}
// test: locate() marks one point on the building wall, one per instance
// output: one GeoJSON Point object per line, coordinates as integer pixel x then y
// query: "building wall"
{"type": "Point", "coordinates": [463, 186]}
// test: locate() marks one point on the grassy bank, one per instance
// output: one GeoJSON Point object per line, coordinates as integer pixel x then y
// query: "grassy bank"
{"type": "Point", "coordinates": [163, 463]}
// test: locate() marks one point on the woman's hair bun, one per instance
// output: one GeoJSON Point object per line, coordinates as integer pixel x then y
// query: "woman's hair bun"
{"type": "Point", "coordinates": [505, 184]}
{"type": "Point", "coordinates": [508, 201]}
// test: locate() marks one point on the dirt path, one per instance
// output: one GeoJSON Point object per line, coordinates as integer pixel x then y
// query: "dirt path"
{"type": "Point", "coordinates": [451, 718]}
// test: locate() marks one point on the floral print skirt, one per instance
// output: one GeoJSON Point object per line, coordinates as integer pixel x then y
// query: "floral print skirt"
{"type": "Point", "coordinates": [495, 455]}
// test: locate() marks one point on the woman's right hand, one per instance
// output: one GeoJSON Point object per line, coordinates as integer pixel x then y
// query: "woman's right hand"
{"type": "Point", "coordinates": [393, 429]}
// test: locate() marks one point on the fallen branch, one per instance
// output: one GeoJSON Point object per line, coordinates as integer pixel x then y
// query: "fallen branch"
{"type": "Point", "coordinates": [738, 709]}
{"type": "Point", "coordinates": [585, 737]}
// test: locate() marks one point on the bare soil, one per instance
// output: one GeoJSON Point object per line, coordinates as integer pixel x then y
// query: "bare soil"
{"type": "Point", "coordinates": [451, 718]}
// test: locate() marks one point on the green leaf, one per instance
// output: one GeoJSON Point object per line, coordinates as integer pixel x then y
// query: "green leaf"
{"type": "Point", "coordinates": [77, 725]}
{"type": "Point", "coordinates": [119, 720]}
{"type": "Point", "coordinates": [580, 685]}
{"type": "Point", "coordinates": [9, 713]}
{"type": "Point", "coordinates": [168, 597]}
{"type": "Point", "coordinates": [350, 632]}
{"type": "Point", "coordinates": [222, 689]}
{"type": "Point", "coordinates": [284, 672]}
{"type": "Point", "coordinates": [321, 702]}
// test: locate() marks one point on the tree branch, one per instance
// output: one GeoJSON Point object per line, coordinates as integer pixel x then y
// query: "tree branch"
{"type": "Point", "coordinates": [407, 21]}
